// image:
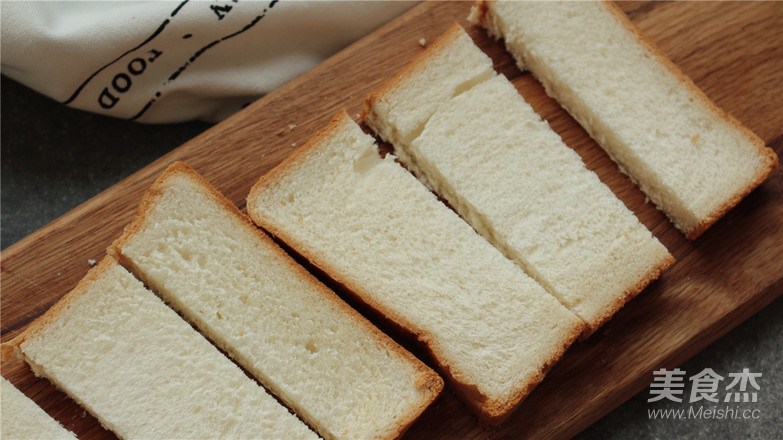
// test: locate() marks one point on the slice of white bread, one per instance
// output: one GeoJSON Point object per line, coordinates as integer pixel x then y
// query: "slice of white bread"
{"type": "Point", "coordinates": [485, 151]}
{"type": "Point", "coordinates": [341, 374]}
{"type": "Point", "coordinates": [141, 370]}
{"type": "Point", "coordinates": [692, 159]}
{"type": "Point", "coordinates": [23, 419]}
{"type": "Point", "coordinates": [371, 226]}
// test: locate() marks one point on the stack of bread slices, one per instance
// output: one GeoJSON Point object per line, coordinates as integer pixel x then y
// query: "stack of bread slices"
{"type": "Point", "coordinates": [532, 251]}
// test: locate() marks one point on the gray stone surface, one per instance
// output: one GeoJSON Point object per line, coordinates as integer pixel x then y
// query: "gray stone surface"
{"type": "Point", "coordinates": [756, 344]}
{"type": "Point", "coordinates": [54, 158]}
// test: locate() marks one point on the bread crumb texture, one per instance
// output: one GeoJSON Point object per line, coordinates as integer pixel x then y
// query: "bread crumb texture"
{"type": "Point", "coordinates": [480, 146]}
{"type": "Point", "coordinates": [142, 371]}
{"type": "Point", "coordinates": [373, 227]}
{"type": "Point", "coordinates": [691, 158]}
{"type": "Point", "coordinates": [22, 419]}
{"type": "Point", "coordinates": [296, 336]}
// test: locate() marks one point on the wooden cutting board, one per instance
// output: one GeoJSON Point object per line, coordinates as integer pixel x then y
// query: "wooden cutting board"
{"type": "Point", "coordinates": [732, 51]}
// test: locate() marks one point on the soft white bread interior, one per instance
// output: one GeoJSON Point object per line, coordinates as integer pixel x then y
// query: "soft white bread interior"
{"type": "Point", "coordinates": [692, 159]}
{"type": "Point", "coordinates": [141, 370]}
{"type": "Point", "coordinates": [502, 168]}
{"type": "Point", "coordinates": [23, 419]}
{"type": "Point", "coordinates": [373, 227]}
{"type": "Point", "coordinates": [451, 67]}
{"type": "Point", "coordinates": [324, 360]}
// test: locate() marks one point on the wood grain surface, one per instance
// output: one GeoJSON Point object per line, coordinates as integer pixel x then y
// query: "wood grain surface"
{"type": "Point", "coordinates": [732, 51]}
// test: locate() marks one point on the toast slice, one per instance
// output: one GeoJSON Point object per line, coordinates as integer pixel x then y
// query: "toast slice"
{"type": "Point", "coordinates": [485, 151]}
{"type": "Point", "coordinates": [143, 372]}
{"type": "Point", "coordinates": [337, 371]}
{"type": "Point", "coordinates": [371, 226]}
{"type": "Point", "coordinates": [691, 158]}
{"type": "Point", "coordinates": [21, 418]}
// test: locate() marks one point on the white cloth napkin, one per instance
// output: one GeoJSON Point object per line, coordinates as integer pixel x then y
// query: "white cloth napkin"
{"type": "Point", "coordinates": [168, 61]}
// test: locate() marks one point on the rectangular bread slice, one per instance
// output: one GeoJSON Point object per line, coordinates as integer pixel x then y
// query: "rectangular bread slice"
{"type": "Point", "coordinates": [23, 419]}
{"type": "Point", "coordinates": [141, 370]}
{"type": "Point", "coordinates": [373, 227]}
{"type": "Point", "coordinates": [692, 159]}
{"type": "Point", "coordinates": [342, 375]}
{"type": "Point", "coordinates": [485, 151]}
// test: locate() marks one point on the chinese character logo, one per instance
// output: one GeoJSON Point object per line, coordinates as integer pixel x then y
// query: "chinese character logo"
{"type": "Point", "coordinates": [667, 385]}
{"type": "Point", "coordinates": [670, 385]}
{"type": "Point", "coordinates": [705, 386]}
{"type": "Point", "coordinates": [743, 379]}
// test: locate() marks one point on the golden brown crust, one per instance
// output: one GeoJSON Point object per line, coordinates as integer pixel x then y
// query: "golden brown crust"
{"type": "Point", "coordinates": [14, 346]}
{"type": "Point", "coordinates": [495, 413]}
{"type": "Point", "coordinates": [770, 163]}
{"type": "Point", "coordinates": [428, 381]}
{"type": "Point", "coordinates": [630, 293]}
